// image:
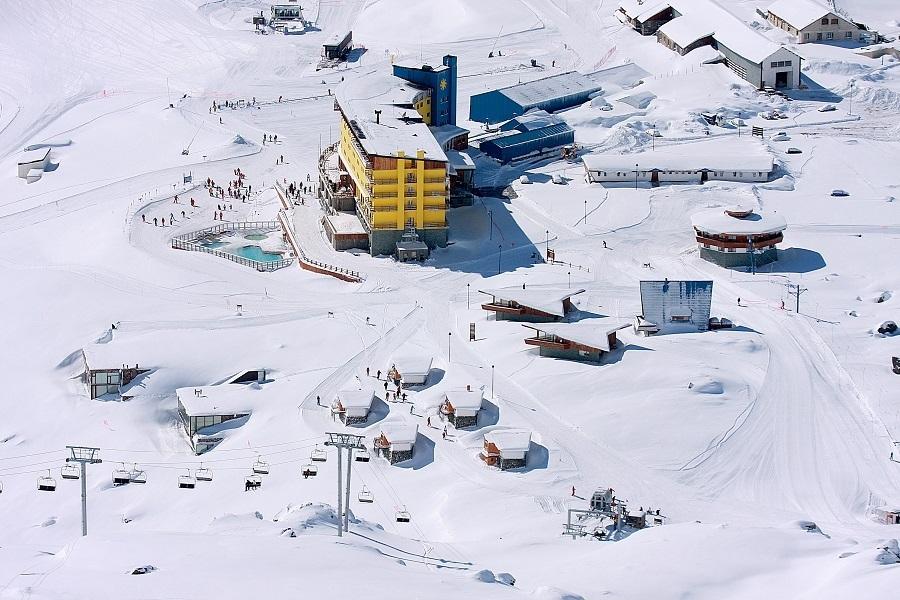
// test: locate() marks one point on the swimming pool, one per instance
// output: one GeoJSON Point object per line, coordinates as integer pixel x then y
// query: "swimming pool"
{"type": "Point", "coordinates": [257, 253]}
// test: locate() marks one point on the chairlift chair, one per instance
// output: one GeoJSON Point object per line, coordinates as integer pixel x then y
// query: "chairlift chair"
{"type": "Point", "coordinates": [1, 487]}
{"type": "Point", "coordinates": [362, 455]}
{"type": "Point", "coordinates": [366, 496]}
{"type": "Point", "coordinates": [403, 516]}
{"type": "Point", "coordinates": [309, 470]}
{"type": "Point", "coordinates": [187, 482]}
{"type": "Point", "coordinates": [137, 475]}
{"type": "Point", "coordinates": [318, 455]}
{"type": "Point", "coordinates": [69, 472]}
{"type": "Point", "coordinates": [121, 476]}
{"type": "Point", "coordinates": [261, 467]}
{"type": "Point", "coordinates": [203, 474]}
{"type": "Point", "coordinates": [46, 483]}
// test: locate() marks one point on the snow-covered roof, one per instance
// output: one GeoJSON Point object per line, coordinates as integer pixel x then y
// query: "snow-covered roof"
{"type": "Point", "coordinates": [687, 29]}
{"type": "Point", "coordinates": [445, 133]}
{"type": "Point", "coordinates": [718, 222]}
{"type": "Point", "coordinates": [593, 333]}
{"type": "Point", "coordinates": [510, 440]}
{"type": "Point", "coordinates": [535, 118]}
{"type": "Point", "coordinates": [465, 400]}
{"type": "Point", "coordinates": [642, 9]}
{"type": "Point", "coordinates": [217, 399]}
{"type": "Point", "coordinates": [356, 398]}
{"type": "Point", "coordinates": [460, 161]}
{"type": "Point", "coordinates": [548, 300]}
{"type": "Point", "coordinates": [360, 97]}
{"type": "Point", "coordinates": [717, 155]}
{"type": "Point", "coordinates": [799, 13]}
{"type": "Point", "coordinates": [345, 223]}
{"type": "Point", "coordinates": [400, 433]}
{"type": "Point", "coordinates": [550, 88]}
{"type": "Point", "coordinates": [729, 30]}
{"type": "Point", "coordinates": [413, 365]}
{"type": "Point", "coordinates": [30, 156]}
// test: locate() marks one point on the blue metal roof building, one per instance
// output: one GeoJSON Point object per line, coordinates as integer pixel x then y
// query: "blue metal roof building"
{"type": "Point", "coordinates": [550, 93]}
{"type": "Point", "coordinates": [534, 133]}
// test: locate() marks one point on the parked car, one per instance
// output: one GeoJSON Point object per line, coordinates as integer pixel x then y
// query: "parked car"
{"type": "Point", "coordinates": [840, 193]}
{"type": "Point", "coordinates": [793, 150]}
{"type": "Point", "coordinates": [827, 108]}
{"type": "Point", "coordinates": [780, 137]}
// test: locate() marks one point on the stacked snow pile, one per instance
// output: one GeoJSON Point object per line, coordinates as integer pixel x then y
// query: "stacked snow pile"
{"type": "Point", "coordinates": [889, 553]}
{"type": "Point", "coordinates": [308, 516]}
{"type": "Point", "coordinates": [706, 385]}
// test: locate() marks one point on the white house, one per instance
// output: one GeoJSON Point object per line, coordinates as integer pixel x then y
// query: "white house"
{"type": "Point", "coordinates": [203, 409]}
{"type": "Point", "coordinates": [694, 163]}
{"type": "Point", "coordinates": [353, 406]}
{"type": "Point", "coordinates": [30, 160]}
{"type": "Point", "coordinates": [810, 21]}
{"type": "Point", "coordinates": [461, 407]}
{"type": "Point", "coordinates": [534, 305]}
{"type": "Point", "coordinates": [397, 441]}
{"type": "Point", "coordinates": [411, 370]}
{"type": "Point", "coordinates": [506, 448]}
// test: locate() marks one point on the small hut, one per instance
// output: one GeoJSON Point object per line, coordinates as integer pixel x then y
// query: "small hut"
{"type": "Point", "coordinates": [397, 441]}
{"type": "Point", "coordinates": [204, 409]}
{"type": "Point", "coordinates": [888, 516]}
{"type": "Point", "coordinates": [461, 407]}
{"type": "Point", "coordinates": [507, 449]}
{"type": "Point", "coordinates": [411, 370]}
{"type": "Point", "coordinates": [353, 406]}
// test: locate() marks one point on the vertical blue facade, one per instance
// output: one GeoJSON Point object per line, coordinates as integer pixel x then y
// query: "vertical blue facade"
{"type": "Point", "coordinates": [442, 83]}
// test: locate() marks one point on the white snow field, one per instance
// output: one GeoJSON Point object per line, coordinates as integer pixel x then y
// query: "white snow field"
{"type": "Point", "coordinates": [742, 437]}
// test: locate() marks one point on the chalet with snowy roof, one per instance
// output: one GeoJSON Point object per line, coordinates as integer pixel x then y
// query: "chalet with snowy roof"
{"type": "Point", "coordinates": [396, 441]}
{"type": "Point", "coordinates": [810, 21]}
{"type": "Point", "coordinates": [645, 16]}
{"type": "Point", "coordinates": [686, 33]}
{"type": "Point", "coordinates": [506, 448]}
{"type": "Point", "coordinates": [737, 236]}
{"type": "Point", "coordinates": [694, 163]}
{"type": "Point", "coordinates": [411, 369]}
{"type": "Point", "coordinates": [533, 305]}
{"type": "Point", "coordinates": [204, 409]}
{"type": "Point", "coordinates": [102, 376]}
{"type": "Point", "coordinates": [461, 407]}
{"type": "Point", "coordinates": [353, 406]}
{"type": "Point", "coordinates": [586, 340]}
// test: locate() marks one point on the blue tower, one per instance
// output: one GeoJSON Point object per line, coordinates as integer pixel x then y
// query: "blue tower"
{"type": "Point", "coordinates": [442, 83]}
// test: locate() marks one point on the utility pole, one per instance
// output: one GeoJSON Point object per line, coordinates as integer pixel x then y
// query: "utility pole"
{"type": "Point", "coordinates": [798, 290]}
{"type": "Point", "coordinates": [348, 442]}
{"type": "Point", "coordinates": [84, 455]}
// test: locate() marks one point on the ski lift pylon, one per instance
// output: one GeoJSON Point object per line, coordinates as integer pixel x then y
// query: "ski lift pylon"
{"type": "Point", "coordinates": [46, 483]}
{"type": "Point", "coordinates": [366, 496]}
{"type": "Point", "coordinates": [68, 471]}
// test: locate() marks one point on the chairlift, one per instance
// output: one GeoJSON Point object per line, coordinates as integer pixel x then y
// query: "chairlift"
{"type": "Point", "coordinates": [46, 483]}
{"type": "Point", "coordinates": [203, 474]}
{"type": "Point", "coordinates": [362, 455]}
{"type": "Point", "coordinates": [137, 475]}
{"type": "Point", "coordinates": [1, 487]}
{"type": "Point", "coordinates": [252, 482]}
{"type": "Point", "coordinates": [261, 467]}
{"type": "Point", "coordinates": [366, 496]}
{"type": "Point", "coordinates": [68, 471]}
{"type": "Point", "coordinates": [309, 470]}
{"type": "Point", "coordinates": [403, 516]}
{"type": "Point", "coordinates": [318, 455]}
{"type": "Point", "coordinates": [187, 482]}
{"type": "Point", "coordinates": [121, 476]}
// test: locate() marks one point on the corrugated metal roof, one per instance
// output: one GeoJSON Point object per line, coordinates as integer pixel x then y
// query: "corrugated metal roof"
{"type": "Point", "coordinates": [550, 88]}
{"type": "Point", "coordinates": [528, 136]}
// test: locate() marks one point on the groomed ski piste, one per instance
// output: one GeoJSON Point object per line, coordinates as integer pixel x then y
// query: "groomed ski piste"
{"type": "Point", "coordinates": [769, 447]}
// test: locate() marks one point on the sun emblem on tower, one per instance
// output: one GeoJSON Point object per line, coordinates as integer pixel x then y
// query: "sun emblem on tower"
{"type": "Point", "coordinates": [443, 84]}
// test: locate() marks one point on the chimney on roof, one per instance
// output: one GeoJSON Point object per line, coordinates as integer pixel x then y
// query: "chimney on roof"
{"type": "Point", "coordinates": [377, 117]}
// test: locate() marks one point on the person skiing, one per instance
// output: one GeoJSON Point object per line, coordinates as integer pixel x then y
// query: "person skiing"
{"type": "Point", "coordinates": [367, 371]}
{"type": "Point", "coordinates": [573, 490]}
{"type": "Point", "coordinates": [144, 218]}
{"type": "Point", "coordinates": [182, 214]}
{"type": "Point", "coordinates": [429, 424]}
{"type": "Point", "coordinates": [155, 222]}
{"type": "Point", "coordinates": [378, 375]}
{"type": "Point", "coordinates": [739, 300]}
{"type": "Point", "coordinates": [163, 221]}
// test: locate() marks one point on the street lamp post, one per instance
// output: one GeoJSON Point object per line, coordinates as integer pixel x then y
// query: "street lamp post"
{"type": "Point", "coordinates": [635, 175]}
{"type": "Point", "coordinates": [467, 296]}
{"type": "Point", "coordinates": [547, 249]}
{"type": "Point", "coordinates": [570, 279]}
{"type": "Point", "coordinates": [851, 97]}
{"type": "Point", "coordinates": [491, 232]}
{"type": "Point", "coordinates": [585, 212]}
{"type": "Point", "coordinates": [449, 337]}
{"type": "Point", "coordinates": [492, 381]}
{"type": "Point", "coordinates": [499, 258]}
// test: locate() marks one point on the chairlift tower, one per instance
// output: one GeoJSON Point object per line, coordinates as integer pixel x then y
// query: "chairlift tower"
{"type": "Point", "coordinates": [84, 455]}
{"type": "Point", "coordinates": [349, 442]}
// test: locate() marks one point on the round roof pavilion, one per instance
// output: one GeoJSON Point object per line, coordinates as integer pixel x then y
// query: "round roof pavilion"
{"type": "Point", "coordinates": [737, 220]}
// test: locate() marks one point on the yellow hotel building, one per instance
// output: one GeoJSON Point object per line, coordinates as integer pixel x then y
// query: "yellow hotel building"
{"type": "Point", "coordinates": [398, 171]}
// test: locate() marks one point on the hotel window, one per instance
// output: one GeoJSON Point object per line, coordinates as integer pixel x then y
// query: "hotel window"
{"type": "Point", "coordinates": [825, 21]}
{"type": "Point", "coordinates": [848, 34]}
{"type": "Point", "coordinates": [806, 36]}
{"type": "Point", "coordinates": [787, 63]}
{"type": "Point", "coordinates": [829, 35]}
{"type": "Point", "coordinates": [834, 21]}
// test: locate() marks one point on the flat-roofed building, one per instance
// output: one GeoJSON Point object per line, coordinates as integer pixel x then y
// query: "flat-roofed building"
{"type": "Point", "coordinates": [532, 305]}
